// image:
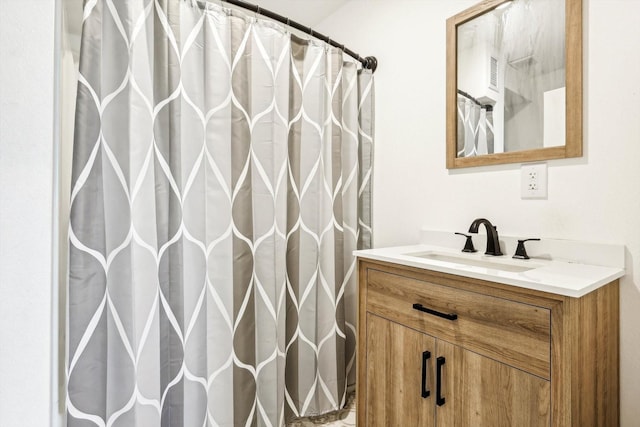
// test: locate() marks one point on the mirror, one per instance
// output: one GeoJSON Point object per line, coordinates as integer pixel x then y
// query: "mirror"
{"type": "Point", "coordinates": [514, 82]}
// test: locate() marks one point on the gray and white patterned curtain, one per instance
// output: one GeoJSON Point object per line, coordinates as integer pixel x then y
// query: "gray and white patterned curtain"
{"type": "Point", "coordinates": [221, 181]}
{"type": "Point", "coordinates": [475, 128]}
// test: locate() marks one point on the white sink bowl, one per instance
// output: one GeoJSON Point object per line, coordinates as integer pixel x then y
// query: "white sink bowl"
{"type": "Point", "coordinates": [489, 262]}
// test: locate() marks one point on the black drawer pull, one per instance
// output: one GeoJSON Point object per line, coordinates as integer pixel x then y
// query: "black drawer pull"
{"type": "Point", "coordinates": [425, 356]}
{"type": "Point", "coordinates": [420, 307]}
{"type": "Point", "coordinates": [439, 398]}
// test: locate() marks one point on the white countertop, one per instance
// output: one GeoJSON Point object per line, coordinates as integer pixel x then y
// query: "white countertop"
{"type": "Point", "coordinates": [568, 278]}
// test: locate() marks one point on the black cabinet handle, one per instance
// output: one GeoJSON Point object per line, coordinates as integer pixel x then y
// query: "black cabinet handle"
{"type": "Point", "coordinates": [425, 356]}
{"type": "Point", "coordinates": [420, 307]}
{"type": "Point", "coordinates": [439, 398]}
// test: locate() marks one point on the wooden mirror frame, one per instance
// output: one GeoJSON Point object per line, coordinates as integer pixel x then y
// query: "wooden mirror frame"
{"type": "Point", "coordinates": [573, 84]}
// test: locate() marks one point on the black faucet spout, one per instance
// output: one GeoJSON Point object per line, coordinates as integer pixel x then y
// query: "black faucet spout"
{"type": "Point", "coordinates": [493, 243]}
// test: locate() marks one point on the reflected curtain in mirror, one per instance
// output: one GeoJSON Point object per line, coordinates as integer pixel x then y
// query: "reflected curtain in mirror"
{"type": "Point", "coordinates": [475, 127]}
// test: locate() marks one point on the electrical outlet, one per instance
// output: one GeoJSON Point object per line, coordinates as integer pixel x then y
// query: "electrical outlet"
{"type": "Point", "coordinates": [533, 181]}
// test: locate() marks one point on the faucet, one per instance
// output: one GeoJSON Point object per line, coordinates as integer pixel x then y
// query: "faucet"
{"type": "Point", "coordinates": [493, 245]}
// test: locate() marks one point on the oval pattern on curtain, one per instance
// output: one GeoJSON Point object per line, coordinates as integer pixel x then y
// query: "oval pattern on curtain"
{"type": "Point", "coordinates": [221, 180]}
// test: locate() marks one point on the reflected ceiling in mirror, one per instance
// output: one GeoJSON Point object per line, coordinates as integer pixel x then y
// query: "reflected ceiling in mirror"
{"type": "Point", "coordinates": [514, 85]}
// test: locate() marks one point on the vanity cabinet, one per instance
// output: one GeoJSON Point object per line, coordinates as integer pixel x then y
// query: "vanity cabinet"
{"type": "Point", "coordinates": [437, 349]}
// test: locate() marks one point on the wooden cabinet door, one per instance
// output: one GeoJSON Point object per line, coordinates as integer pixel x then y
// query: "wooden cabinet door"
{"type": "Point", "coordinates": [400, 387]}
{"type": "Point", "coordinates": [481, 392]}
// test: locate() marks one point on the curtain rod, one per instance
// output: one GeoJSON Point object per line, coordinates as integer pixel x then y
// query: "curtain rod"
{"type": "Point", "coordinates": [369, 63]}
{"type": "Point", "coordinates": [488, 107]}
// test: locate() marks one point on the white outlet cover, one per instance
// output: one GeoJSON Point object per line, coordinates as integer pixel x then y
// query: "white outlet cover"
{"type": "Point", "coordinates": [533, 181]}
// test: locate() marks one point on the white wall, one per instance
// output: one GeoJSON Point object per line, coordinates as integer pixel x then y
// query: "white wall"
{"type": "Point", "coordinates": [26, 210]}
{"type": "Point", "coordinates": [594, 198]}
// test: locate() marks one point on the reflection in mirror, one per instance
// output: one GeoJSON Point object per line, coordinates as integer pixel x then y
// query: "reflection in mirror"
{"type": "Point", "coordinates": [513, 84]}
{"type": "Point", "coordinates": [511, 78]}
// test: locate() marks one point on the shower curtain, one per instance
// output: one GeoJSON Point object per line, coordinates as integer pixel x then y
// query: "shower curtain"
{"type": "Point", "coordinates": [475, 128]}
{"type": "Point", "coordinates": [221, 180]}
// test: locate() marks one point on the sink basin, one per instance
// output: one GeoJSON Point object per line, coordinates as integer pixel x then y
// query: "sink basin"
{"type": "Point", "coordinates": [484, 262]}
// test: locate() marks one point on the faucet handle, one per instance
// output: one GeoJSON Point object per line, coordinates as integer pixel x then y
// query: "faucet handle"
{"type": "Point", "coordinates": [468, 245]}
{"type": "Point", "coordinates": [521, 252]}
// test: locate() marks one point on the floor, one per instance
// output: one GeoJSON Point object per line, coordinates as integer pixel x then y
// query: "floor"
{"type": "Point", "coordinates": [345, 418]}
{"type": "Point", "coordinates": [349, 421]}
